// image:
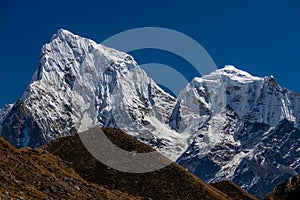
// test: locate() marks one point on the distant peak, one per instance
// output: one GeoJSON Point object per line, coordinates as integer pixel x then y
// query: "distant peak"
{"type": "Point", "coordinates": [63, 33]}
{"type": "Point", "coordinates": [233, 70]}
{"type": "Point", "coordinates": [230, 70]}
{"type": "Point", "coordinates": [230, 67]}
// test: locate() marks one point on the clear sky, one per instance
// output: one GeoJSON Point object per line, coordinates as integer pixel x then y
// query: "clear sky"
{"type": "Point", "coordinates": [261, 37]}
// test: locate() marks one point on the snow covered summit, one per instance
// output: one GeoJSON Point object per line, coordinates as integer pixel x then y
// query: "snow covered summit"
{"type": "Point", "coordinates": [81, 84]}
{"type": "Point", "coordinates": [240, 125]}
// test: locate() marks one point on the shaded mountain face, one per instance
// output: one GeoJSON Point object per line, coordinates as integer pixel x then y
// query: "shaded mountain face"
{"type": "Point", "coordinates": [225, 125]}
{"type": "Point", "coordinates": [37, 174]}
{"type": "Point", "coordinates": [287, 190]}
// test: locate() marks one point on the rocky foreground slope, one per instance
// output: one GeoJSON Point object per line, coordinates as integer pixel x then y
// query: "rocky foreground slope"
{"type": "Point", "coordinates": [36, 174]}
{"type": "Point", "coordinates": [232, 190]}
{"type": "Point", "coordinates": [64, 169]}
{"type": "Point", "coordinates": [171, 182]}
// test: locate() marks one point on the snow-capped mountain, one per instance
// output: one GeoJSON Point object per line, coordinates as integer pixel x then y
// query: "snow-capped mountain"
{"type": "Point", "coordinates": [248, 132]}
{"type": "Point", "coordinates": [225, 125]}
{"type": "Point", "coordinates": [81, 84]}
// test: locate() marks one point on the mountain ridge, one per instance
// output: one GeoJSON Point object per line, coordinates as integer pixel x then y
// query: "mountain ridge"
{"type": "Point", "coordinates": [228, 121]}
{"type": "Point", "coordinates": [171, 182]}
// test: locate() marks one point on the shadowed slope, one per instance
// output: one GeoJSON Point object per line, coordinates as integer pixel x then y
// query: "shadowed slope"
{"type": "Point", "coordinates": [233, 191]}
{"type": "Point", "coordinates": [171, 182]}
{"type": "Point", "coordinates": [287, 190]}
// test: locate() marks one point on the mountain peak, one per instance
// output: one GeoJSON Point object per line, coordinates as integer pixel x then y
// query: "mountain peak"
{"type": "Point", "coordinates": [231, 70]}
{"type": "Point", "coordinates": [230, 67]}
{"type": "Point", "coordinates": [64, 31]}
{"type": "Point", "coordinates": [64, 34]}
{"type": "Point", "coordinates": [80, 84]}
{"type": "Point", "coordinates": [234, 74]}
{"type": "Point", "coordinates": [227, 73]}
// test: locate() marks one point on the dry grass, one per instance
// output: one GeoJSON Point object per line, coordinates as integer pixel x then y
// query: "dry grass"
{"type": "Point", "coordinates": [233, 191]}
{"type": "Point", "coordinates": [36, 174]}
{"type": "Point", "coordinates": [171, 182]}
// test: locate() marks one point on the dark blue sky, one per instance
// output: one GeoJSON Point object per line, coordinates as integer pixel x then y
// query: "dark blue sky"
{"type": "Point", "coordinates": [261, 37]}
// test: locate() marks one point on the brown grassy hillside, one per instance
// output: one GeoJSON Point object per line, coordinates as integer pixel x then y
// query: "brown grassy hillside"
{"type": "Point", "coordinates": [233, 191]}
{"type": "Point", "coordinates": [172, 182]}
{"type": "Point", "coordinates": [36, 174]}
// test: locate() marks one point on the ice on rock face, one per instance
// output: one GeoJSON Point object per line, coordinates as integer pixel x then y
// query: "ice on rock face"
{"type": "Point", "coordinates": [3, 113]}
{"type": "Point", "coordinates": [232, 117]}
{"type": "Point", "coordinates": [80, 84]}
